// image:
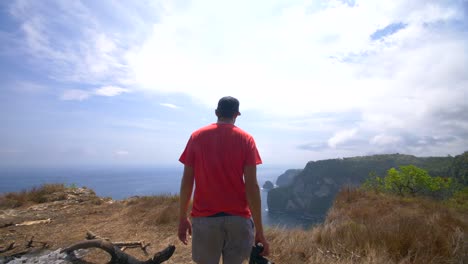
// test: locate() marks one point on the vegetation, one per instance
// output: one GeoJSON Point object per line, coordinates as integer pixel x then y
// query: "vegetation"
{"type": "Point", "coordinates": [357, 168]}
{"type": "Point", "coordinates": [361, 227]}
{"type": "Point", "coordinates": [459, 200]}
{"type": "Point", "coordinates": [42, 194]}
{"type": "Point", "coordinates": [154, 210]}
{"type": "Point", "coordinates": [300, 196]}
{"type": "Point", "coordinates": [375, 227]}
{"type": "Point", "coordinates": [459, 168]}
{"type": "Point", "coordinates": [411, 180]}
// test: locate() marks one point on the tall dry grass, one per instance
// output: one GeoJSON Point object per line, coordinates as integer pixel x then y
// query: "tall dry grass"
{"type": "Point", "coordinates": [35, 195]}
{"type": "Point", "coordinates": [154, 210]}
{"type": "Point", "coordinates": [366, 227]}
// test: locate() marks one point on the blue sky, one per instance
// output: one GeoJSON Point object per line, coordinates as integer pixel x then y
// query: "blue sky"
{"type": "Point", "coordinates": [124, 83]}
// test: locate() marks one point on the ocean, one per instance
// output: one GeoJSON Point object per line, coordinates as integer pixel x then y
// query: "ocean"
{"type": "Point", "coordinates": [121, 183]}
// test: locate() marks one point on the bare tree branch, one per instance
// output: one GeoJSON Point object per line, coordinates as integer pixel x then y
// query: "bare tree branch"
{"type": "Point", "coordinates": [117, 255]}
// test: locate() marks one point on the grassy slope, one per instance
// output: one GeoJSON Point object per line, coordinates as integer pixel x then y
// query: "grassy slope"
{"type": "Point", "coordinates": [366, 227]}
{"type": "Point", "coordinates": [361, 227]}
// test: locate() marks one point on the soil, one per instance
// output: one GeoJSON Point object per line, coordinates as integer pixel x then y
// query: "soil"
{"type": "Point", "coordinates": [83, 211]}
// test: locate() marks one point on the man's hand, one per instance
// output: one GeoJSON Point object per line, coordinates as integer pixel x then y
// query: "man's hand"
{"type": "Point", "coordinates": [186, 187]}
{"type": "Point", "coordinates": [185, 226]}
{"type": "Point", "coordinates": [260, 238]}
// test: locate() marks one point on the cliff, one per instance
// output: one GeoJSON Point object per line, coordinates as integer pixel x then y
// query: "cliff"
{"type": "Point", "coordinates": [314, 188]}
{"type": "Point", "coordinates": [287, 177]}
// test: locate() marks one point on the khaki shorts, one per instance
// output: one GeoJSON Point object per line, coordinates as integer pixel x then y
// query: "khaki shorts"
{"type": "Point", "coordinates": [231, 237]}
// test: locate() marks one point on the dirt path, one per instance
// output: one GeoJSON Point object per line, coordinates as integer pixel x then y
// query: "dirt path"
{"type": "Point", "coordinates": [70, 219]}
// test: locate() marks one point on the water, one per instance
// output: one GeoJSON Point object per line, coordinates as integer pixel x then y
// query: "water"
{"type": "Point", "coordinates": [116, 183]}
{"type": "Point", "coordinates": [121, 183]}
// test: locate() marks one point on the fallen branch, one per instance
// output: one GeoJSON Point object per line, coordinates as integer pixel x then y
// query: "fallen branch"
{"type": "Point", "coordinates": [117, 255]}
{"type": "Point", "coordinates": [35, 222]}
{"type": "Point", "coordinates": [122, 245]}
{"type": "Point", "coordinates": [90, 235]}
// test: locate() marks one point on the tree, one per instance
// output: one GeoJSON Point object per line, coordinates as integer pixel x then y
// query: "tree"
{"type": "Point", "coordinates": [411, 180]}
{"type": "Point", "coordinates": [459, 168]}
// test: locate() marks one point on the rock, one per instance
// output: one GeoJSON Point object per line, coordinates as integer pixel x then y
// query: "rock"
{"type": "Point", "coordinates": [287, 177]}
{"type": "Point", "coordinates": [51, 257]}
{"type": "Point", "coordinates": [268, 185]}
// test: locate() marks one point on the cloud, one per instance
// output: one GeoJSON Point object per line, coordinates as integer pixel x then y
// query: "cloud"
{"type": "Point", "coordinates": [173, 106]}
{"type": "Point", "coordinates": [110, 91]}
{"type": "Point", "coordinates": [121, 153]}
{"type": "Point", "coordinates": [75, 95]}
{"type": "Point", "coordinates": [384, 140]}
{"type": "Point", "coordinates": [76, 40]}
{"type": "Point", "coordinates": [27, 87]}
{"type": "Point", "coordinates": [313, 146]}
{"type": "Point", "coordinates": [341, 137]}
{"type": "Point", "coordinates": [80, 95]}
{"type": "Point", "coordinates": [313, 69]}
{"type": "Point", "coordinates": [290, 53]}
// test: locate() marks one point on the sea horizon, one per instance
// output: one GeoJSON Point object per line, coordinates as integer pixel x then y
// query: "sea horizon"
{"type": "Point", "coordinates": [123, 182]}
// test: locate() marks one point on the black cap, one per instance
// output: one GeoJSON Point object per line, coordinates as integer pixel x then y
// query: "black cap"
{"type": "Point", "coordinates": [228, 106]}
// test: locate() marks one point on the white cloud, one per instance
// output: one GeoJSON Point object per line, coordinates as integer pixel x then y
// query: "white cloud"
{"type": "Point", "coordinates": [341, 137]}
{"type": "Point", "coordinates": [80, 95]}
{"type": "Point", "coordinates": [296, 63]}
{"type": "Point", "coordinates": [316, 58]}
{"type": "Point", "coordinates": [75, 41]}
{"type": "Point", "coordinates": [110, 91]}
{"type": "Point", "coordinates": [173, 106]}
{"type": "Point", "coordinates": [296, 58]}
{"type": "Point", "coordinates": [75, 95]}
{"type": "Point", "coordinates": [383, 140]}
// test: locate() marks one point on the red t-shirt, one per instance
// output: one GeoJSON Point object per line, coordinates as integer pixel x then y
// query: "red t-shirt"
{"type": "Point", "coordinates": [218, 153]}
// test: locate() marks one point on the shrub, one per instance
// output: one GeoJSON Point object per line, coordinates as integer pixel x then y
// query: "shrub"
{"type": "Point", "coordinates": [459, 199]}
{"type": "Point", "coordinates": [411, 180]}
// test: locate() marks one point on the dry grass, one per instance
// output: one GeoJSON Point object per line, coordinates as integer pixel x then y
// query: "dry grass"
{"type": "Point", "coordinates": [154, 210]}
{"type": "Point", "coordinates": [365, 227]}
{"type": "Point", "coordinates": [35, 195]}
{"type": "Point", "coordinates": [361, 227]}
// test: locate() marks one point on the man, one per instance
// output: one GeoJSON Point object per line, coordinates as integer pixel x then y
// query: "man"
{"type": "Point", "coordinates": [222, 160]}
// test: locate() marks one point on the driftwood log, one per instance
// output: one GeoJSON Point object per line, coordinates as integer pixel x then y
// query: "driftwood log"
{"type": "Point", "coordinates": [117, 255]}
{"type": "Point", "coordinates": [122, 245]}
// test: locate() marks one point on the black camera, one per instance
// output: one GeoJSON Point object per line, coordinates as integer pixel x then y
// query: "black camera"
{"type": "Point", "coordinates": [255, 257]}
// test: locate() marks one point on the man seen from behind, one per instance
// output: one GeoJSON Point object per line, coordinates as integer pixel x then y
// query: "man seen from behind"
{"type": "Point", "coordinates": [221, 160]}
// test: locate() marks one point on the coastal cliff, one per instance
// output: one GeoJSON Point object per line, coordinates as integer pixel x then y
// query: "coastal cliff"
{"type": "Point", "coordinates": [314, 188]}
{"type": "Point", "coordinates": [287, 177]}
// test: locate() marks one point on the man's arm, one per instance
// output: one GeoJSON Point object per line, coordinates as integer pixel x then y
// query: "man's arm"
{"type": "Point", "coordinates": [186, 188]}
{"type": "Point", "coordinates": [253, 197]}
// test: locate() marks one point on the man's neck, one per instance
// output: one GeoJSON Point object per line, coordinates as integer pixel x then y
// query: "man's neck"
{"type": "Point", "coordinates": [226, 121]}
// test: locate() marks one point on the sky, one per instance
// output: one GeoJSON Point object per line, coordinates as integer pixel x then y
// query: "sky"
{"type": "Point", "coordinates": [124, 83]}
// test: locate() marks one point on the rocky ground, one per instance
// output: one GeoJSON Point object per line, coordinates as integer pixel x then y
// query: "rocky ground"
{"type": "Point", "coordinates": [47, 227]}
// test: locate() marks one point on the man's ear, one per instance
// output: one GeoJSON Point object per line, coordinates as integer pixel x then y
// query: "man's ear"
{"type": "Point", "coordinates": [216, 112]}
